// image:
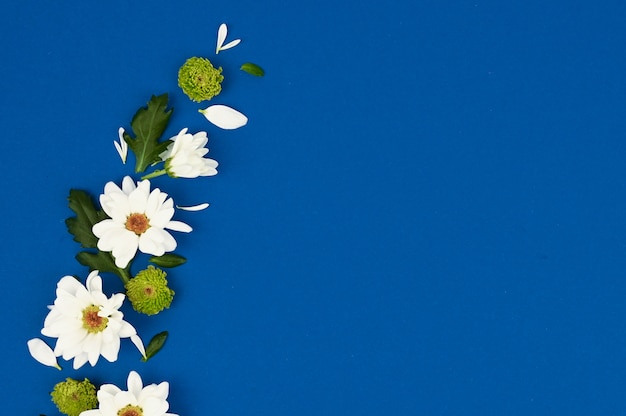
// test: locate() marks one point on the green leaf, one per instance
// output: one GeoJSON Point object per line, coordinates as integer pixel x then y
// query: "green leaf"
{"type": "Point", "coordinates": [252, 69]}
{"type": "Point", "coordinates": [86, 217]}
{"type": "Point", "coordinates": [103, 262]}
{"type": "Point", "coordinates": [148, 125]}
{"type": "Point", "coordinates": [155, 345]}
{"type": "Point", "coordinates": [168, 260]}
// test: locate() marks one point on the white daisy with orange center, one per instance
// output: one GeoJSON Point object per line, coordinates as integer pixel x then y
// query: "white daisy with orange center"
{"type": "Point", "coordinates": [138, 219]}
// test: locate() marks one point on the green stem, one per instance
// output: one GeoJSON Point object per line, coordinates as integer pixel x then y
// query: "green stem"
{"type": "Point", "coordinates": [125, 276]}
{"type": "Point", "coordinates": [154, 174]}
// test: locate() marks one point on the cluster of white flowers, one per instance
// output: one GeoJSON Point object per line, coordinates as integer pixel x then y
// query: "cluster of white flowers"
{"type": "Point", "coordinates": [86, 323]}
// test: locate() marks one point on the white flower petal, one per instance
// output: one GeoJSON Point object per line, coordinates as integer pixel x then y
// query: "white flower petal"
{"type": "Point", "coordinates": [139, 344]}
{"type": "Point", "coordinates": [134, 383]}
{"type": "Point", "coordinates": [94, 282]}
{"type": "Point", "coordinates": [224, 117]}
{"type": "Point", "coordinates": [41, 352]}
{"type": "Point", "coordinates": [221, 37]}
{"type": "Point", "coordinates": [122, 146]}
{"type": "Point", "coordinates": [198, 207]}
{"type": "Point", "coordinates": [179, 226]}
{"type": "Point", "coordinates": [231, 44]}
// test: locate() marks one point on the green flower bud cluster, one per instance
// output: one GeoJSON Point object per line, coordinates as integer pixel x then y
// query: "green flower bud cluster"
{"type": "Point", "coordinates": [199, 79]}
{"type": "Point", "coordinates": [72, 397]}
{"type": "Point", "coordinates": [148, 291]}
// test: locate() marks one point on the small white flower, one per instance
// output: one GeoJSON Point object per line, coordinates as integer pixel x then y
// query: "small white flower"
{"type": "Point", "coordinates": [137, 219]}
{"type": "Point", "coordinates": [86, 323]}
{"type": "Point", "coordinates": [42, 352]}
{"type": "Point", "coordinates": [224, 117]}
{"type": "Point", "coordinates": [150, 400]}
{"type": "Point", "coordinates": [222, 32]}
{"type": "Point", "coordinates": [122, 146]}
{"type": "Point", "coordinates": [184, 157]}
{"type": "Point", "coordinates": [198, 207]}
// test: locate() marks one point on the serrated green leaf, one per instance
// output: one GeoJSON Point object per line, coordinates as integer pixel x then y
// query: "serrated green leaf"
{"type": "Point", "coordinates": [252, 69]}
{"type": "Point", "coordinates": [103, 262]}
{"type": "Point", "coordinates": [155, 345]}
{"type": "Point", "coordinates": [148, 125]}
{"type": "Point", "coordinates": [168, 260]}
{"type": "Point", "coordinates": [86, 217]}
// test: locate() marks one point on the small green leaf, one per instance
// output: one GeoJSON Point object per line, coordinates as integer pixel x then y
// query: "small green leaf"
{"type": "Point", "coordinates": [103, 262]}
{"type": "Point", "coordinates": [148, 124]}
{"type": "Point", "coordinates": [168, 260]}
{"type": "Point", "coordinates": [253, 69]}
{"type": "Point", "coordinates": [86, 217]}
{"type": "Point", "coordinates": [155, 345]}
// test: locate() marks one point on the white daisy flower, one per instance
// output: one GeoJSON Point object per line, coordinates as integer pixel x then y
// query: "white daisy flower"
{"type": "Point", "coordinates": [138, 219]}
{"type": "Point", "coordinates": [138, 400]}
{"type": "Point", "coordinates": [184, 157]}
{"type": "Point", "coordinates": [86, 323]}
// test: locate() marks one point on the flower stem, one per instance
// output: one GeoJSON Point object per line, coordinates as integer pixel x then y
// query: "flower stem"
{"type": "Point", "coordinates": [154, 174]}
{"type": "Point", "coordinates": [124, 275]}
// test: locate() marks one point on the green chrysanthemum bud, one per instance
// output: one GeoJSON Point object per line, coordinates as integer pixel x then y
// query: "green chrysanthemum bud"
{"type": "Point", "coordinates": [199, 79]}
{"type": "Point", "coordinates": [148, 291]}
{"type": "Point", "coordinates": [72, 397]}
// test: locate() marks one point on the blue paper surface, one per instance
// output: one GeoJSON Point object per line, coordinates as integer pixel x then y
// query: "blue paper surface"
{"type": "Point", "coordinates": [423, 216]}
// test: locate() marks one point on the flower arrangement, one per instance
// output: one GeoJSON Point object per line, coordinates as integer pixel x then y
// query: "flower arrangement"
{"type": "Point", "coordinates": [131, 218]}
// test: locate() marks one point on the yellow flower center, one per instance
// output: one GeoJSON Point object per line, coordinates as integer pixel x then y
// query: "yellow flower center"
{"type": "Point", "coordinates": [92, 322]}
{"type": "Point", "coordinates": [130, 411]}
{"type": "Point", "coordinates": [137, 223]}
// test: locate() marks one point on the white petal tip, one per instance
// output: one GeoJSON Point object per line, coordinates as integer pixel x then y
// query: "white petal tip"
{"type": "Point", "coordinates": [224, 117]}
{"type": "Point", "coordinates": [198, 207]}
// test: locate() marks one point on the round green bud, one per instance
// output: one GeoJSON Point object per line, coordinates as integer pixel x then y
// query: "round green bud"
{"type": "Point", "coordinates": [148, 291]}
{"type": "Point", "coordinates": [72, 397]}
{"type": "Point", "coordinates": [199, 79]}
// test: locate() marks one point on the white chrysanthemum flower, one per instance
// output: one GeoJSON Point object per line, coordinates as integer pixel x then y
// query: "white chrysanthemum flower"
{"type": "Point", "coordinates": [86, 323]}
{"type": "Point", "coordinates": [138, 219]}
{"type": "Point", "coordinates": [184, 158]}
{"type": "Point", "coordinates": [138, 400]}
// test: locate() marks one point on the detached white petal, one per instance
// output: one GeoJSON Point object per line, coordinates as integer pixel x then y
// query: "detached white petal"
{"type": "Point", "coordinates": [230, 44]}
{"type": "Point", "coordinates": [221, 37]}
{"type": "Point", "coordinates": [224, 117]}
{"type": "Point", "coordinates": [122, 146]}
{"type": "Point", "coordinates": [198, 207]}
{"type": "Point", "coordinates": [139, 344]}
{"type": "Point", "coordinates": [222, 32]}
{"type": "Point", "coordinates": [41, 352]}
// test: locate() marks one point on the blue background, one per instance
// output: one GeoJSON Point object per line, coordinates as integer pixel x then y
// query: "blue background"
{"type": "Point", "coordinates": [425, 214]}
